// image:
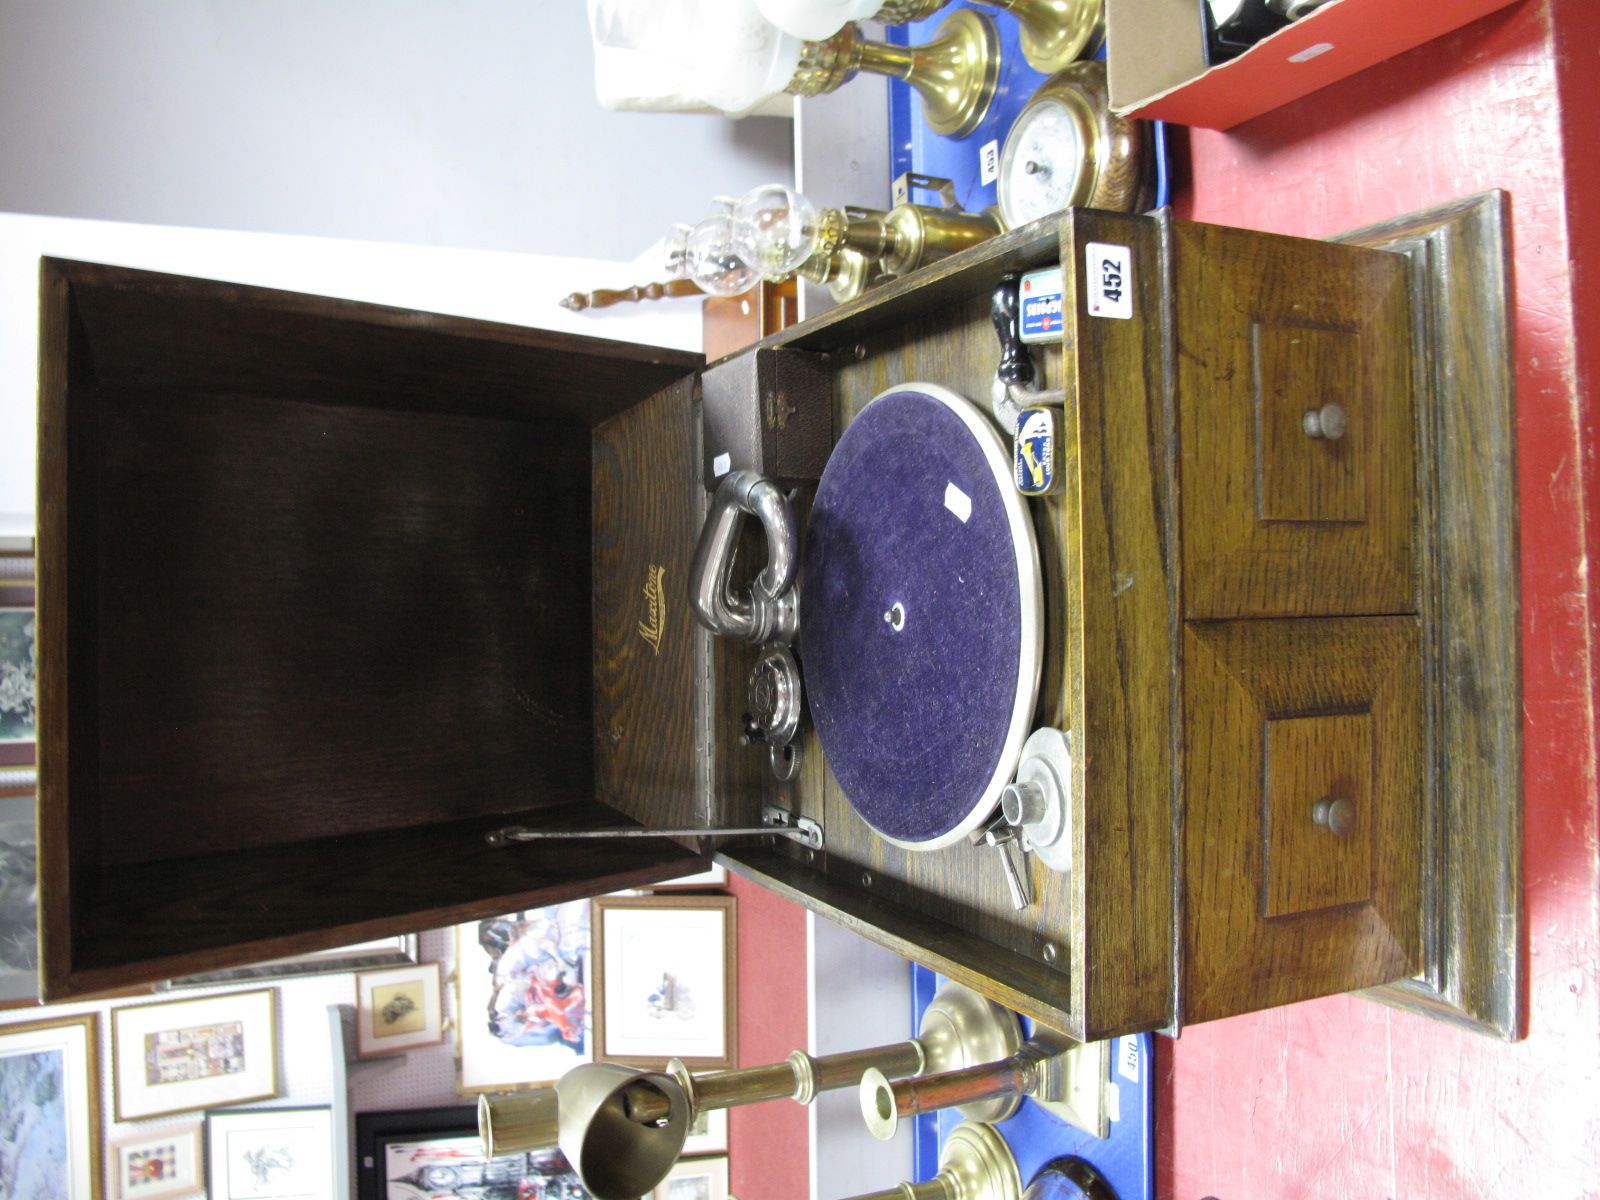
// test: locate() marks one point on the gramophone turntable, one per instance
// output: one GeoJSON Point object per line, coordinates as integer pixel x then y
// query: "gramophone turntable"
{"type": "Point", "coordinates": [1241, 616]}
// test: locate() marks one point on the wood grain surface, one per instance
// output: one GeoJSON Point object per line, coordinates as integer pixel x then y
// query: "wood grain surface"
{"type": "Point", "coordinates": [1275, 522]}
{"type": "Point", "coordinates": [1475, 924]}
{"type": "Point", "coordinates": [1276, 908]}
{"type": "Point", "coordinates": [312, 572]}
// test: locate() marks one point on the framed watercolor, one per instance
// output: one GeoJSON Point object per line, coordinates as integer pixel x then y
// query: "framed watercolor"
{"type": "Point", "coordinates": [398, 1009]}
{"type": "Point", "coordinates": [50, 1105]}
{"type": "Point", "coordinates": [270, 1154]}
{"type": "Point", "coordinates": [665, 982]}
{"type": "Point", "coordinates": [436, 1154]}
{"type": "Point", "coordinates": [395, 951]}
{"type": "Point", "coordinates": [708, 1133]}
{"type": "Point", "coordinates": [185, 1055]}
{"type": "Point", "coordinates": [522, 998]}
{"type": "Point", "coordinates": [695, 1179]}
{"type": "Point", "coordinates": [158, 1166]}
{"type": "Point", "coordinates": [19, 901]}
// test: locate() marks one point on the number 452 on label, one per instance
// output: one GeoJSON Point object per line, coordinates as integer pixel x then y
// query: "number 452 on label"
{"type": "Point", "coordinates": [1108, 274]}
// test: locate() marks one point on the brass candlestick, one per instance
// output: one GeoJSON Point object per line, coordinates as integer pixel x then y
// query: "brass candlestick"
{"type": "Point", "coordinates": [975, 1164]}
{"type": "Point", "coordinates": [1054, 32]}
{"type": "Point", "coordinates": [1064, 1076]}
{"type": "Point", "coordinates": [623, 1129]}
{"type": "Point", "coordinates": [955, 74]}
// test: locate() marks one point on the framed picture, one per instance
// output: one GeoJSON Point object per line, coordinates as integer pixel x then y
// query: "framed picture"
{"type": "Point", "coordinates": [435, 1154]}
{"type": "Point", "coordinates": [50, 1109]}
{"type": "Point", "coordinates": [19, 901]}
{"type": "Point", "coordinates": [397, 1009]}
{"type": "Point", "coordinates": [185, 1055]}
{"type": "Point", "coordinates": [665, 983]}
{"type": "Point", "coordinates": [270, 1154]}
{"type": "Point", "coordinates": [384, 952]}
{"type": "Point", "coordinates": [695, 1179]}
{"type": "Point", "coordinates": [18, 662]}
{"type": "Point", "coordinates": [522, 1007]}
{"type": "Point", "coordinates": [708, 1133]}
{"type": "Point", "coordinates": [158, 1166]}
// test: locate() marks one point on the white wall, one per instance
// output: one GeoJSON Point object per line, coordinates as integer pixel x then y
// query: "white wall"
{"type": "Point", "coordinates": [860, 996]}
{"type": "Point", "coordinates": [440, 122]}
{"type": "Point", "coordinates": [521, 289]}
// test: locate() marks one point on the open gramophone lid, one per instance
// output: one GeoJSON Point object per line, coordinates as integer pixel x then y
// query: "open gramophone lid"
{"type": "Point", "coordinates": [921, 616]}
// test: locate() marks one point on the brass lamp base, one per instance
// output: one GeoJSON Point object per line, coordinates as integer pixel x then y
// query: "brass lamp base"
{"type": "Point", "coordinates": [956, 73]}
{"type": "Point", "coordinates": [1056, 33]}
{"type": "Point", "coordinates": [963, 1029]}
{"type": "Point", "coordinates": [975, 1164]}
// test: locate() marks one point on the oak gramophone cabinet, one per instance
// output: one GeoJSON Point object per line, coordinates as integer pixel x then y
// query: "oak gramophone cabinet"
{"type": "Point", "coordinates": [328, 592]}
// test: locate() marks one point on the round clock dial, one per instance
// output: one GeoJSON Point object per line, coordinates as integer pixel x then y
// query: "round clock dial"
{"type": "Point", "coordinates": [1066, 148]}
{"type": "Point", "coordinates": [1043, 163]}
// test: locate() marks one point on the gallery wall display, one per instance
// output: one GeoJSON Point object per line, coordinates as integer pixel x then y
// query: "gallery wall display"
{"type": "Point", "coordinates": [186, 1055]}
{"type": "Point", "coordinates": [436, 1154]}
{"type": "Point", "coordinates": [169, 1165]}
{"type": "Point", "coordinates": [666, 984]}
{"type": "Point", "coordinates": [50, 1143]}
{"type": "Point", "coordinates": [522, 997]}
{"type": "Point", "coordinates": [270, 1154]}
{"type": "Point", "coordinates": [398, 1009]}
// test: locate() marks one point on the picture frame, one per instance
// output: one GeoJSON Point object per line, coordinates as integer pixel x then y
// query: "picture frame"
{"type": "Point", "coordinates": [523, 1011]}
{"type": "Point", "coordinates": [694, 1179]}
{"type": "Point", "coordinates": [398, 1009]}
{"type": "Point", "coordinates": [178, 1056]}
{"type": "Point", "coordinates": [61, 1154]}
{"type": "Point", "coordinates": [270, 1154]}
{"type": "Point", "coordinates": [19, 900]}
{"type": "Point", "coordinates": [159, 1166]}
{"type": "Point", "coordinates": [708, 1133]}
{"type": "Point", "coordinates": [397, 951]}
{"type": "Point", "coordinates": [666, 980]}
{"type": "Point", "coordinates": [19, 663]}
{"type": "Point", "coordinates": [398, 1153]}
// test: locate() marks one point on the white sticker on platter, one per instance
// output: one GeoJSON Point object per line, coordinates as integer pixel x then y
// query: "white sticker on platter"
{"type": "Point", "coordinates": [989, 162]}
{"type": "Point", "coordinates": [1108, 272]}
{"type": "Point", "coordinates": [720, 465]}
{"type": "Point", "coordinates": [1113, 1102]}
{"type": "Point", "coordinates": [1128, 1058]}
{"type": "Point", "coordinates": [958, 502]}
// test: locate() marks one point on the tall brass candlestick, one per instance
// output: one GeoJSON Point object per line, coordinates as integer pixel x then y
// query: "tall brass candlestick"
{"type": "Point", "coordinates": [976, 1164]}
{"type": "Point", "coordinates": [956, 73]}
{"type": "Point", "coordinates": [1063, 1075]}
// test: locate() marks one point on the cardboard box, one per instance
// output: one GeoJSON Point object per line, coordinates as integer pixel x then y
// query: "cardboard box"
{"type": "Point", "coordinates": [1156, 54]}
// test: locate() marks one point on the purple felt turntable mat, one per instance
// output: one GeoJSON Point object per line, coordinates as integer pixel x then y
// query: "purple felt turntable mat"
{"type": "Point", "coordinates": [911, 621]}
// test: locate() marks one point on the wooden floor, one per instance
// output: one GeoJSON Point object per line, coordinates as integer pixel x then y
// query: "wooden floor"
{"type": "Point", "coordinates": [1342, 1098]}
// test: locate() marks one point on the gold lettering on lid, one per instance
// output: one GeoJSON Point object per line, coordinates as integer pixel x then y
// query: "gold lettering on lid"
{"type": "Point", "coordinates": [655, 594]}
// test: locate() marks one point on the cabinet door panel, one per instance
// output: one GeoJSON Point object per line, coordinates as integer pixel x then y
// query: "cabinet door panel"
{"type": "Point", "coordinates": [1295, 410]}
{"type": "Point", "coordinates": [1302, 810]}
